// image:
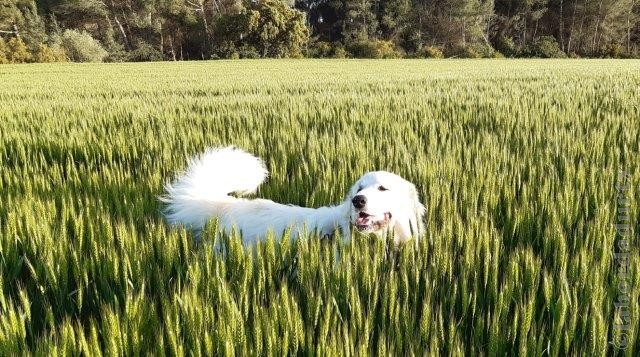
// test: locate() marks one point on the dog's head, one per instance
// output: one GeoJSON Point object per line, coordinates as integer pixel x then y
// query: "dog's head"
{"type": "Point", "coordinates": [384, 202]}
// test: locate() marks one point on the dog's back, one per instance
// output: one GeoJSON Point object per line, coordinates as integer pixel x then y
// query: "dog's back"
{"type": "Point", "coordinates": [202, 193]}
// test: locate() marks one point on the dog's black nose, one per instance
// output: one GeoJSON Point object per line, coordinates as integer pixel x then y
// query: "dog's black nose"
{"type": "Point", "coordinates": [359, 201]}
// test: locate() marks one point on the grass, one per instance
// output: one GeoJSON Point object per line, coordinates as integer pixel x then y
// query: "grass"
{"type": "Point", "coordinates": [516, 161]}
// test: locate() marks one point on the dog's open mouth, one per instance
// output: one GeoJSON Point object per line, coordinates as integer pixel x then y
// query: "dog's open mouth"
{"type": "Point", "coordinates": [365, 222]}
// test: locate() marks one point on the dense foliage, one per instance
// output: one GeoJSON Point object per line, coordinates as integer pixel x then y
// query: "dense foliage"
{"type": "Point", "coordinates": [153, 30]}
{"type": "Point", "coordinates": [517, 162]}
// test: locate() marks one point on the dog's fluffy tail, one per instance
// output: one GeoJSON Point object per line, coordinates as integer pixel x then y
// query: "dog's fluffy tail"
{"type": "Point", "coordinates": [200, 192]}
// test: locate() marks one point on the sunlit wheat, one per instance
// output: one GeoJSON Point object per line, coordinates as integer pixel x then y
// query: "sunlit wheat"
{"type": "Point", "coordinates": [516, 162]}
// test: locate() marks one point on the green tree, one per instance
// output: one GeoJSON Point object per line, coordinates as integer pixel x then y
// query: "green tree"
{"type": "Point", "coordinates": [591, 27]}
{"type": "Point", "coordinates": [141, 30]}
{"type": "Point", "coordinates": [81, 47]}
{"type": "Point", "coordinates": [374, 49]}
{"type": "Point", "coordinates": [359, 21]}
{"type": "Point", "coordinates": [20, 18]}
{"type": "Point", "coordinates": [18, 52]}
{"type": "Point", "coordinates": [520, 19]}
{"type": "Point", "coordinates": [459, 26]}
{"type": "Point", "coordinates": [268, 28]}
{"type": "Point", "coordinates": [3, 52]}
{"type": "Point", "coordinates": [392, 18]}
{"type": "Point", "coordinates": [91, 16]}
{"type": "Point", "coordinates": [46, 54]}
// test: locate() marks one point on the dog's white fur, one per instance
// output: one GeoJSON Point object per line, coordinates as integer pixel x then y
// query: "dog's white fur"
{"type": "Point", "coordinates": [203, 193]}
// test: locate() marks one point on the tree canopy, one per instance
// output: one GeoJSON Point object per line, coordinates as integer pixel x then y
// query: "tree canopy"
{"type": "Point", "coordinates": [145, 30]}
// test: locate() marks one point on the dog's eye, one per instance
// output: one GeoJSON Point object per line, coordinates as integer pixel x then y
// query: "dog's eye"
{"type": "Point", "coordinates": [382, 188]}
{"type": "Point", "coordinates": [359, 188]}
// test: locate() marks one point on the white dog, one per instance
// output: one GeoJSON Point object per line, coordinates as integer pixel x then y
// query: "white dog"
{"type": "Point", "coordinates": [379, 202]}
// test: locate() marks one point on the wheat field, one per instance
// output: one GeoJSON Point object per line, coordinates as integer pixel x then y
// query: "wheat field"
{"type": "Point", "coordinates": [516, 160]}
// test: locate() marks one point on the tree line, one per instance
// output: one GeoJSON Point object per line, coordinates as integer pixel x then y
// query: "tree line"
{"type": "Point", "coordinates": [156, 30]}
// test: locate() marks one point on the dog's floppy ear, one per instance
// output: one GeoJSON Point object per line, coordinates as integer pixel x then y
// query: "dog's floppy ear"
{"type": "Point", "coordinates": [418, 210]}
{"type": "Point", "coordinates": [409, 222]}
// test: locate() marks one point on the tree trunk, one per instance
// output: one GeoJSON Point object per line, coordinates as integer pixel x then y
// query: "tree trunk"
{"type": "Point", "coordinates": [629, 14]}
{"type": "Point", "coordinates": [12, 32]}
{"type": "Point", "coordinates": [597, 26]}
{"type": "Point", "coordinates": [523, 40]}
{"type": "Point", "coordinates": [580, 37]}
{"type": "Point", "coordinates": [161, 39]}
{"type": "Point", "coordinates": [173, 51]}
{"type": "Point", "coordinates": [561, 25]}
{"type": "Point", "coordinates": [464, 30]}
{"type": "Point", "coordinates": [125, 39]}
{"type": "Point", "coordinates": [198, 6]}
{"type": "Point", "coordinates": [573, 21]}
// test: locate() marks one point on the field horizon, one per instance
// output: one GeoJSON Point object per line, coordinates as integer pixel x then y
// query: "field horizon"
{"type": "Point", "coordinates": [519, 163]}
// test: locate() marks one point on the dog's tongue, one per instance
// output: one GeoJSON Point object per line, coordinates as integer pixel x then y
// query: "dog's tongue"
{"type": "Point", "coordinates": [362, 221]}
